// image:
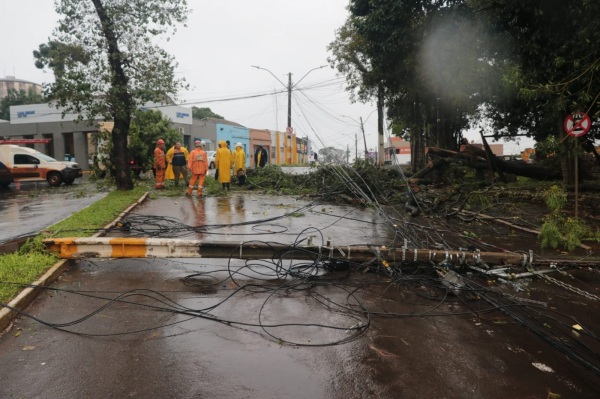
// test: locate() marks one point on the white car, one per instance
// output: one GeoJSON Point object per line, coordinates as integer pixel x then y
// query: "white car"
{"type": "Point", "coordinates": [211, 159]}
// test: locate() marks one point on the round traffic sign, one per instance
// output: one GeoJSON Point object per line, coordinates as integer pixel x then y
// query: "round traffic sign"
{"type": "Point", "coordinates": [289, 130]}
{"type": "Point", "coordinates": [577, 124]}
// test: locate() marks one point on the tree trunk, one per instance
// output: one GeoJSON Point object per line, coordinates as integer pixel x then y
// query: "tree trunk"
{"type": "Point", "coordinates": [120, 154]}
{"type": "Point", "coordinates": [120, 100]}
{"type": "Point", "coordinates": [475, 157]}
{"type": "Point", "coordinates": [380, 101]}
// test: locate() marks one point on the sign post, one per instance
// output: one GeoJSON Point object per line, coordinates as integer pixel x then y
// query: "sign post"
{"type": "Point", "coordinates": [576, 125]}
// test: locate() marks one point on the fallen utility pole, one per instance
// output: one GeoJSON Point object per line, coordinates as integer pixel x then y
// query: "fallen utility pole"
{"type": "Point", "coordinates": [125, 247]}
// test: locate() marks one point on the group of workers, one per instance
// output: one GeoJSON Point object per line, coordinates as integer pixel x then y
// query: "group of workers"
{"type": "Point", "coordinates": [197, 164]}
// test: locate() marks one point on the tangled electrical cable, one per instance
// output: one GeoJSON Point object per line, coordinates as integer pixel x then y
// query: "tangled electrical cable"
{"type": "Point", "coordinates": [345, 289]}
{"type": "Point", "coordinates": [351, 294]}
{"type": "Point", "coordinates": [169, 227]}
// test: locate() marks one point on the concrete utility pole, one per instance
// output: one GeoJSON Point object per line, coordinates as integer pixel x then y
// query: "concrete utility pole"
{"type": "Point", "coordinates": [362, 127]}
{"type": "Point", "coordinates": [289, 87]}
{"type": "Point", "coordinates": [130, 247]}
{"type": "Point", "coordinates": [347, 153]}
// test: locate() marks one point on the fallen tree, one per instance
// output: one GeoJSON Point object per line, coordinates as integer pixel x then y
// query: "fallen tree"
{"type": "Point", "coordinates": [477, 158]}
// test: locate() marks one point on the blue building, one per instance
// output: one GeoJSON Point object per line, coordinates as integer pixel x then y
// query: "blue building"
{"type": "Point", "coordinates": [235, 134]}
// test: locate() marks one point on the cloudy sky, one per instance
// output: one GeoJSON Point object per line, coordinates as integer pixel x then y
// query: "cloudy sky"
{"type": "Point", "coordinates": [216, 51]}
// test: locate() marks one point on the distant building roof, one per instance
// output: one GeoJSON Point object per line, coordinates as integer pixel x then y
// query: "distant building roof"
{"type": "Point", "coordinates": [11, 83]}
{"type": "Point", "coordinates": [13, 79]}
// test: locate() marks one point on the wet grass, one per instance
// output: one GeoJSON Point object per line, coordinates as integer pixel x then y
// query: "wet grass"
{"type": "Point", "coordinates": [87, 221]}
{"type": "Point", "coordinates": [32, 260]}
{"type": "Point", "coordinates": [23, 267]}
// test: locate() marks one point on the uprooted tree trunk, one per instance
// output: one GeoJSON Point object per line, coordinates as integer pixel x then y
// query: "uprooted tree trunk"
{"type": "Point", "coordinates": [478, 159]}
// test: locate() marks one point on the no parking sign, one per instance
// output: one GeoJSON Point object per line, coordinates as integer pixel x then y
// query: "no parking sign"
{"type": "Point", "coordinates": [577, 124]}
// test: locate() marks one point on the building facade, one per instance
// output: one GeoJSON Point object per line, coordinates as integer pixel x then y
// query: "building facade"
{"type": "Point", "coordinates": [262, 138]}
{"type": "Point", "coordinates": [397, 151]}
{"type": "Point", "coordinates": [72, 139]}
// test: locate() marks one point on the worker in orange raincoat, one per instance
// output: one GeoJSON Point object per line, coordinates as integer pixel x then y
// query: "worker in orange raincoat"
{"type": "Point", "coordinates": [198, 166]}
{"type": "Point", "coordinates": [160, 164]}
{"type": "Point", "coordinates": [239, 163]}
{"type": "Point", "coordinates": [223, 163]}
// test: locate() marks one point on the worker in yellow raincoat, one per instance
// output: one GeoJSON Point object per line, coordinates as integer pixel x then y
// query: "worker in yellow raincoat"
{"type": "Point", "coordinates": [223, 164]}
{"type": "Point", "coordinates": [239, 163]}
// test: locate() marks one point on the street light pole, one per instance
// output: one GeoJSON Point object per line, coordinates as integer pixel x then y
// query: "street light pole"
{"type": "Point", "coordinates": [289, 88]}
{"type": "Point", "coordinates": [289, 100]}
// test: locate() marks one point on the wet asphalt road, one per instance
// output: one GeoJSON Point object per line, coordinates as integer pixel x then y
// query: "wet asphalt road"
{"type": "Point", "coordinates": [412, 348]}
{"type": "Point", "coordinates": [30, 207]}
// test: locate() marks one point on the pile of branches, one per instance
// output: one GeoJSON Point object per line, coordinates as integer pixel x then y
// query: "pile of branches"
{"type": "Point", "coordinates": [356, 184]}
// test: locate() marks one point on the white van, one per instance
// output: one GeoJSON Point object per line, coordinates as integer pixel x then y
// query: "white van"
{"type": "Point", "coordinates": [26, 164]}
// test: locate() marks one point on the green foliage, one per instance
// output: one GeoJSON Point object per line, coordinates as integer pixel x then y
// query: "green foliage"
{"type": "Point", "coordinates": [555, 198]}
{"type": "Point", "coordinates": [550, 234]}
{"type": "Point", "coordinates": [543, 86]}
{"type": "Point", "coordinates": [20, 97]}
{"type": "Point", "coordinates": [146, 128]}
{"type": "Point", "coordinates": [78, 54]}
{"type": "Point", "coordinates": [106, 63]}
{"type": "Point", "coordinates": [201, 113]}
{"type": "Point", "coordinates": [560, 231]}
{"type": "Point", "coordinates": [444, 63]}
{"type": "Point", "coordinates": [89, 220]}
{"type": "Point", "coordinates": [272, 180]}
{"type": "Point", "coordinates": [33, 245]}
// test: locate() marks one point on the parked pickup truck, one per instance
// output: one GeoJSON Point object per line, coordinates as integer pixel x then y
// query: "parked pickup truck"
{"type": "Point", "coordinates": [26, 164]}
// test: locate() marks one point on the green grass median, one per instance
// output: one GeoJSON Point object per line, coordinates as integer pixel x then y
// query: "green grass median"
{"type": "Point", "coordinates": [32, 260]}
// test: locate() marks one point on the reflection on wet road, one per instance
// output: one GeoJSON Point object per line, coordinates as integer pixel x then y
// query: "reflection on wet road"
{"type": "Point", "coordinates": [34, 206]}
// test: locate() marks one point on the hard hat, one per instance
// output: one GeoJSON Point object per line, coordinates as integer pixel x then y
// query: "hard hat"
{"type": "Point", "coordinates": [202, 142]}
{"type": "Point", "coordinates": [197, 143]}
{"type": "Point", "coordinates": [239, 145]}
{"type": "Point", "coordinates": [160, 141]}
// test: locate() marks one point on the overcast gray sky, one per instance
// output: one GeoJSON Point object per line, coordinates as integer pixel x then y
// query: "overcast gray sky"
{"type": "Point", "coordinates": [215, 53]}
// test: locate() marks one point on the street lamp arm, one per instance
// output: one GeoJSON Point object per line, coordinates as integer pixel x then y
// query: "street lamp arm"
{"type": "Point", "coordinates": [265, 69]}
{"type": "Point", "coordinates": [305, 75]}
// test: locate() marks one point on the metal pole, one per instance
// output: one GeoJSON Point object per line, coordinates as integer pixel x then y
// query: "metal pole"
{"type": "Point", "coordinates": [289, 100]}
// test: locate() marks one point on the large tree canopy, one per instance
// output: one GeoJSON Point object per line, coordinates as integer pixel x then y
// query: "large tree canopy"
{"type": "Point", "coordinates": [524, 65]}
{"type": "Point", "coordinates": [106, 64]}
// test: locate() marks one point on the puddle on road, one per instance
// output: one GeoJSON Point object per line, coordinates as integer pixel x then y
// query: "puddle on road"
{"type": "Point", "coordinates": [243, 217]}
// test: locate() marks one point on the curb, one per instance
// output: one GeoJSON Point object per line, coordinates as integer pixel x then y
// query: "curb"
{"type": "Point", "coordinates": [21, 301]}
